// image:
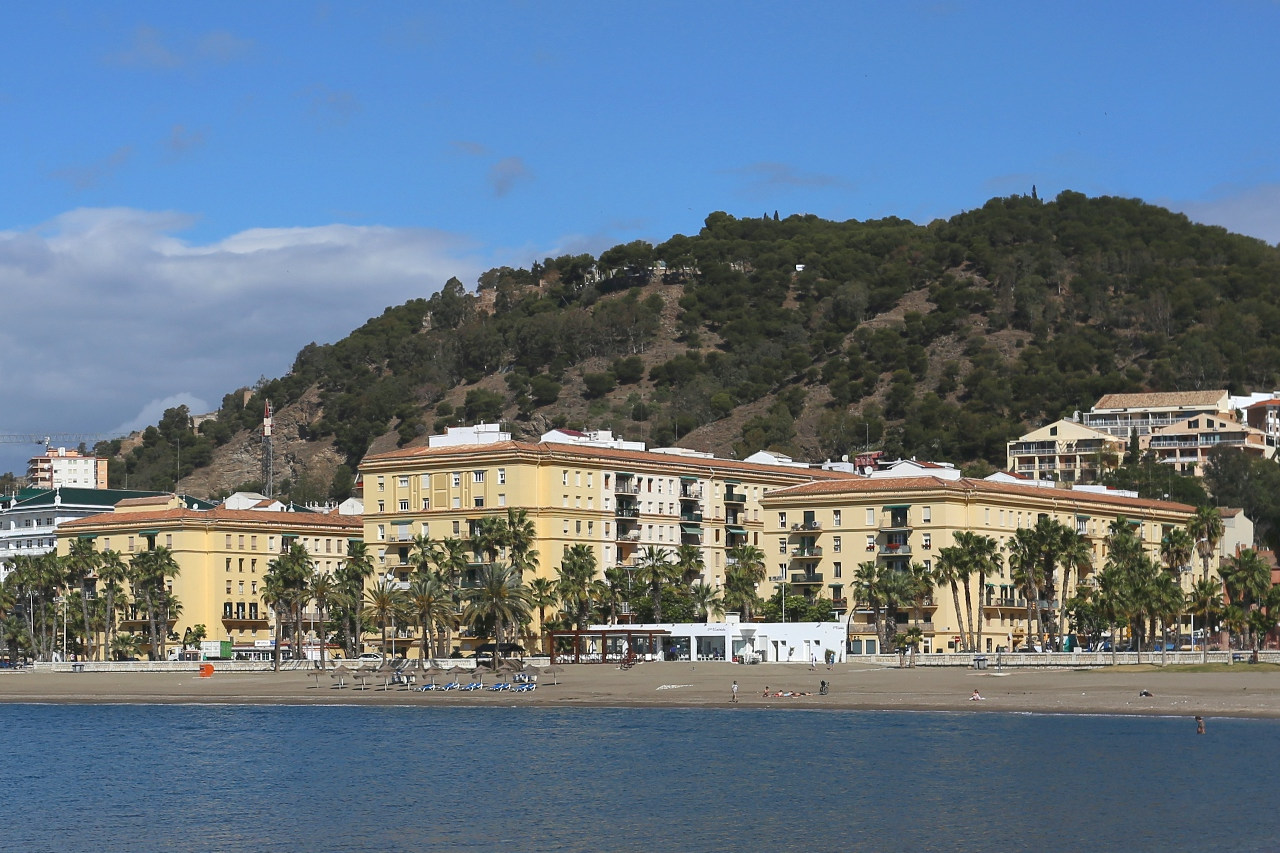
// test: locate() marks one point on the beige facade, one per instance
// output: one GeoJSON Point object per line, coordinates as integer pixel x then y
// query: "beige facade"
{"type": "Point", "coordinates": [817, 534]}
{"type": "Point", "coordinates": [223, 555]}
{"type": "Point", "coordinates": [1186, 444]}
{"type": "Point", "coordinates": [617, 501]}
{"type": "Point", "coordinates": [1121, 415]}
{"type": "Point", "coordinates": [1065, 451]}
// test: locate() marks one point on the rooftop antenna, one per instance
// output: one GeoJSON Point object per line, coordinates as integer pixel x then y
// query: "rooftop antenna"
{"type": "Point", "coordinates": [268, 472]}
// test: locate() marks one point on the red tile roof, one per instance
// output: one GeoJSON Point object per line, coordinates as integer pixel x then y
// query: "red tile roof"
{"type": "Point", "coordinates": [212, 516]}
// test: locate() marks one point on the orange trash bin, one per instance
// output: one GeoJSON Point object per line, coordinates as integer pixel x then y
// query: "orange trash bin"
{"type": "Point", "coordinates": [206, 670]}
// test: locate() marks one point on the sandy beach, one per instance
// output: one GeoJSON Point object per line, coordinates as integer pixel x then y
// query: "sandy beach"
{"type": "Point", "coordinates": [1239, 691]}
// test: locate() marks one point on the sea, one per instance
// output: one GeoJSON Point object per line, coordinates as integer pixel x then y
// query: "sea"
{"type": "Point", "coordinates": [179, 778]}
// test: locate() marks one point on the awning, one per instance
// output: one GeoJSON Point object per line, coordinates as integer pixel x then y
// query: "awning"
{"type": "Point", "coordinates": [688, 479]}
{"type": "Point", "coordinates": [732, 482]}
{"type": "Point", "coordinates": [148, 532]}
{"type": "Point", "coordinates": [1078, 515]}
{"type": "Point", "coordinates": [736, 531]}
{"type": "Point", "coordinates": [691, 528]}
{"type": "Point", "coordinates": [896, 506]}
{"type": "Point", "coordinates": [87, 536]}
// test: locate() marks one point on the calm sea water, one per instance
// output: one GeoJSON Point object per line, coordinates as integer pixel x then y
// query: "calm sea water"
{"type": "Point", "coordinates": [186, 778]}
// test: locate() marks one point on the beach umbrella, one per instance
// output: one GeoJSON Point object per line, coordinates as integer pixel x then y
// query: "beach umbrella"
{"type": "Point", "coordinates": [552, 671]}
{"type": "Point", "coordinates": [477, 674]}
{"type": "Point", "coordinates": [431, 672]}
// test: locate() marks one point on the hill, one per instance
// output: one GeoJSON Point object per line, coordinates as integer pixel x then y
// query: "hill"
{"type": "Point", "coordinates": [813, 337]}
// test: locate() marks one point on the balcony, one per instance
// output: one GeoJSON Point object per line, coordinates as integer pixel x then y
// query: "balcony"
{"type": "Point", "coordinates": [626, 512]}
{"type": "Point", "coordinates": [732, 497]}
{"type": "Point", "coordinates": [628, 536]}
{"type": "Point", "coordinates": [691, 517]}
{"type": "Point", "coordinates": [626, 487]}
{"type": "Point", "coordinates": [691, 493]}
{"type": "Point", "coordinates": [806, 553]}
{"type": "Point", "coordinates": [840, 603]}
{"type": "Point", "coordinates": [806, 578]}
{"type": "Point", "coordinates": [806, 525]}
{"type": "Point", "coordinates": [1006, 603]}
{"type": "Point", "coordinates": [895, 550]}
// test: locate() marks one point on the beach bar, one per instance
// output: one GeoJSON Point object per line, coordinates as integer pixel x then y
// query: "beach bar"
{"type": "Point", "coordinates": [741, 642]}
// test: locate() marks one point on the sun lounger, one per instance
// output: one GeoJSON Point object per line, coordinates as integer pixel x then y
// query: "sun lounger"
{"type": "Point", "coordinates": [527, 687]}
{"type": "Point", "coordinates": [453, 685]}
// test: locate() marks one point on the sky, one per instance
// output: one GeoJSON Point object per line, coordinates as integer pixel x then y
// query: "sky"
{"type": "Point", "coordinates": [191, 192]}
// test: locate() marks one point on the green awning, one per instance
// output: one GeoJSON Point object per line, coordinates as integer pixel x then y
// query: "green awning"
{"type": "Point", "coordinates": [736, 531]}
{"type": "Point", "coordinates": [87, 536]}
{"type": "Point", "coordinates": [354, 539]}
{"type": "Point", "coordinates": [691, 528]}
{"type": "Point", "coordinates": [148, 532]}
{"type": "Point", "coordinates": [1078, 515]}
{"type": "Point", "coordinates": [896, 506]}
{"type": "Point", "coordinates": [733, 482]}
{"type": "Point", "coordinates": [687, 479]}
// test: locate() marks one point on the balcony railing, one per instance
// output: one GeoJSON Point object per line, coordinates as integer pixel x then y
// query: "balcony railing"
{"type": "Point", "coordinates": [626, 487]}
{"type": "Point", "coordinates": [629, 536]}
{"type": "Point", "coordinates": [840, 603]}
{"type": "Point", "coordinates": [805, 578]}
{"type": "Point", "coordinates": [807, 525]}
{"type": "Point", "coordinates": [691, 493]}
{"type": "Point", "coordinates": [691, 517]}
{"type": "Point", "coordinates": [895, 550]}
{"type": "Point", "coordinates": [806, 553]}
{"type": "Point", "coordinates": [732, 497]}
{"type": "Point", "coordinates": [626, 512]}
{"type": "Point", "coordinates": [1006, 602]}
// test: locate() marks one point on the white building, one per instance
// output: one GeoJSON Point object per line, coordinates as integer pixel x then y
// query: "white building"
{"type": "Point", "coordinates": [766, 642]}
{"type": "Point", "coordinates": [63, 467]}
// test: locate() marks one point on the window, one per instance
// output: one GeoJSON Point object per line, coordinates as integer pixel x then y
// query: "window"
{"type": "Point", "coordinates": [502, 476]}
{"type": "Point", "coordinates": [457, 502]}
{"type": "Point", "coordinates": [782, 546]}
{"type": "Point", "coordinates": [926, 541]}
{"type": "Point", "coordinates": [564, 478]}
{"type": "Point", "coordinates": [1082, 526]}
{"type": "Point", "coordinates": [590, 527]}
{"type": "Point", "coordinates": [253, 543]}
{"type": "Point", "coordinates": [382, 532]}
{"type": "Point", "coordinates": [455, 479]}
{"type": "Point", "coordinates": [240, 565]}
{"type": "Point", "coordinates": [228, 587]}
{"type": "Point", "coordinates": [228, 567]}
{"type": "Point", "coordinates": [131, 543]}
{"type": "Point", "coordinates": [835, 544]}
{"type": "Point", "coordinates": [835, 570]}
{"type": "Point", "coordinates": [926, 514]}
{"type": "Point", "coordinates": [566, 527]}
{"type": "Point", "coordinates": [456, 528]}
{"type": "Point", "coordinates": [404, 482]}
{"type": "Point", "coordinates": [782, 520]}
{"type": "Point", "coordinates": [228, 546]}
{"type": "Point", "coordinates": [502, 500]}
{"type": "Point", "coordinates": [871, 517]}
{"type": "Point", "coordinates": [381, 484]}
{"type": "Point", "coordinates": [426, 503]}
{"type": "Point", "coordinates": [479, 502]}
{"type": "Point", "coordinates": [253, 565]}
{"type": "Point", "coordinates": [424, 481]}
{"type": "Point", "coordinates": [241, 588]}
{"type": "Point", "coordinates": [382, 506]}
{"type": "Point", "coordinates": [404, 504]}
{"type": "Point", "coordinates": [835, 518]}
{"type": "Point", "coordinates": [577, 527]}
{"type": "Point", "coordinates": [871, 541]}
{"type": "Point", "coordinates": [477, 476]}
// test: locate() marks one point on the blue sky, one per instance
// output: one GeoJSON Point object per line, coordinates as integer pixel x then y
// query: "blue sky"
{"type": "Point", "coordinates": [191, 192]}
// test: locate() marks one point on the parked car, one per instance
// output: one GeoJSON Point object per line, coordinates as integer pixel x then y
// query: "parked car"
{"type": "Point", "coordinates": [370, 656]}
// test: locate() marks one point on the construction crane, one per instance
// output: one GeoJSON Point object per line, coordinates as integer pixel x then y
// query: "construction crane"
{"type": "Point", "coordinates": [50, 439]}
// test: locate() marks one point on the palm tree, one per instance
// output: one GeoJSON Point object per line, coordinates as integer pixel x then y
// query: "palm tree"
{"type": "Point", "coordinates": [655, 570]}
{"type": "Point", "coordinates": [913, 637]}
{"type": "Point", "coordinates": [519, 535]}
{"type": "Point", "coordinates": [383, 604]}
{"type": "Point", "coordinates": [451, 560]}
{"type": "Point", "coordinates": [432, 605]}
{"type": "Point", "coordinates": [951, 568]}
{"type": "Point", "coordinates": [611, 592]}
{"type": "Point", "coordinates": [489, 536]}
{"type": "Point", "coordinates": [574, 577]}
{"type": "Point", "coordinates": [82, 563]}
{"type": "Point", "coordinates": [357, 568]}
{"type": "Point", "coordinates": [1166, 605]}
{"type": "Point", "coordinates": [1247, 578]}
{"type": "Point", "coordinates": [1204, 601]}
{"type": "Point", "coordinates": [324, 592]}
{"type": "Point", "coordinates": [542, 594]}
{"type": "Point", "coordinates": [742, 577]}
{"type": "Point", "coordinates": [112, 573]}
{"type": "Point", "coordinates": [706, 599]}
{"type": "Point", "coordinates": [150, 572]}
{"type": "Point", "coordinates": [867, 590]}
{"type": "Point", "coordinates": [689, 562]}
{"type": "Point", "coordinates": [982, 555]}
{"type": "Point", "coordinates": [1207, 529]}
{"type": "Point", "coordinates": [499, 601]}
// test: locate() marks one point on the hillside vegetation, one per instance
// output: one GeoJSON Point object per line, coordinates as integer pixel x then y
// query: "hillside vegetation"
{"type": "Point", "coordinates": [798, 334]}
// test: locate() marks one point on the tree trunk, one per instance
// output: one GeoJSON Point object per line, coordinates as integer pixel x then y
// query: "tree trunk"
{"type": "Point", "coordinates": [955, 595]}
{"type": "Point", "coordinates": [968, 612]}
{"type": "Point", "coordinates": [982, 594]}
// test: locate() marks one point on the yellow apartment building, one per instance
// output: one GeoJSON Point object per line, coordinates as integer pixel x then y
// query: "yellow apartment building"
{"type": "Point", "coordinates": [609, 495]}
{"type": "Point", "coordinates": [817, 533]}
{"type": "Point", "coordinates": [223, 555]}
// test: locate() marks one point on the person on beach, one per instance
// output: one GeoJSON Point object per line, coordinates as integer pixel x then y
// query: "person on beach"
{"type": "Point", "coordinates": [976, 697]}
{"type": "Point", "coordinates": [1199, 724]}
{"type": "Point", "coordinates": [765, 694]}
{"type": "Point", "coordinates": [734, 689]}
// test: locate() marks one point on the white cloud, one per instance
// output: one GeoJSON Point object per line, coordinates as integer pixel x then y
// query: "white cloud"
{"type": "Point", "coordinates": [150, 414]}
{"type": "Point", "coordinates": [112, 316]}
{"type": "Point", "coordinates": [1254, 210]}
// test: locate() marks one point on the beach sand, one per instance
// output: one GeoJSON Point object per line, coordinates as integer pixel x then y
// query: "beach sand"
{"type": "Point", "coordinates": [1239, 691]}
